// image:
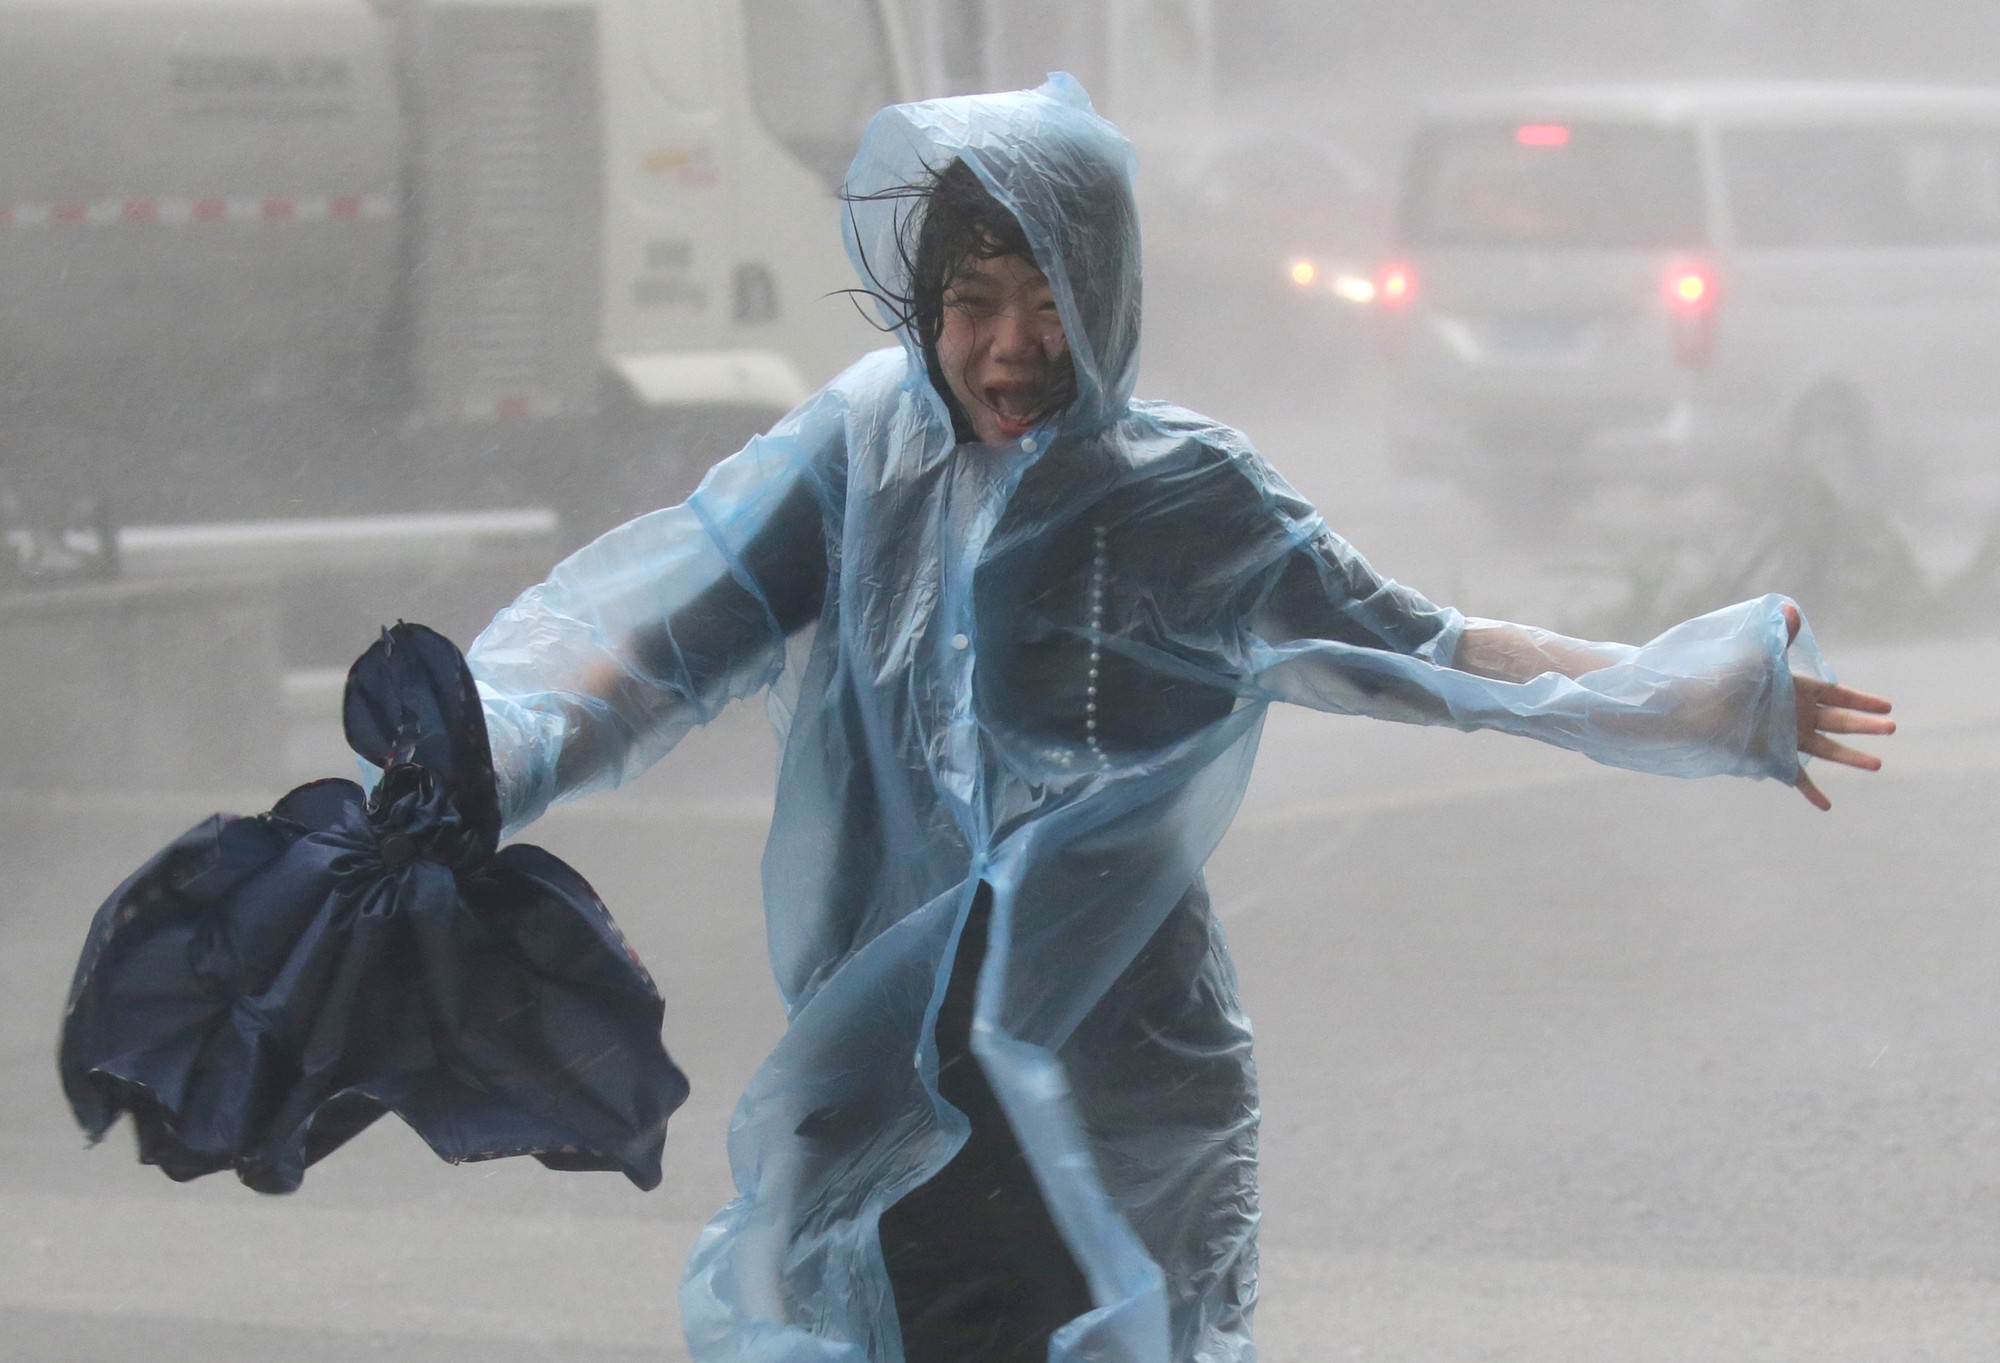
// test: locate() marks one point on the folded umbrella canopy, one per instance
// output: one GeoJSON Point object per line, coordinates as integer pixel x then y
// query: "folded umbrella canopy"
{"type": "Point", "coordinates": [266, 987]}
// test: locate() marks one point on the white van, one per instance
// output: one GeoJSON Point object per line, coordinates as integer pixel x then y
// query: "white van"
{"type": "Point", "coordinates": [1695, 284]}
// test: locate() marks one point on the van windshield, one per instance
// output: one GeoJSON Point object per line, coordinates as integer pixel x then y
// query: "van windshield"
{"type": "Point", "coordinates": [1801, 188]}
{"type": "Point", "coordinates": [1570, 185]}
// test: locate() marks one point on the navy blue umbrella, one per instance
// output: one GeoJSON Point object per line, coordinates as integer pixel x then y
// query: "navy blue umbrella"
{"type": "Point", "coordinates": [264, 988]}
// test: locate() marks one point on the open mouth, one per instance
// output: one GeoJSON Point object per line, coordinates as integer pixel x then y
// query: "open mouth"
{"type": "Point", "coordinates": [1012, 427]}
{"type": "Point", "coordinates": [1018, 408]}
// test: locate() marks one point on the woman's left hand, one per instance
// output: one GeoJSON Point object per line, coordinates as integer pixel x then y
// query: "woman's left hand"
{"type": "Point", "coordinates": [1823, 709]}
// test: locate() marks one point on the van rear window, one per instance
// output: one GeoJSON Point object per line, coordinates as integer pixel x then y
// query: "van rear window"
{"type": "Point", "coordinates": [1582, 185]}
{"type": "Point", "coordinates": [1801, 188]}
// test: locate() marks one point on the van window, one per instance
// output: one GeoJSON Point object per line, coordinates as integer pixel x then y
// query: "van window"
{"type": "Point", "coordinates": [819, 69]}
{"type": "Point", "coordinates": [1582, 185]}
{"type": "Point", "coordinates": [1884, 187]}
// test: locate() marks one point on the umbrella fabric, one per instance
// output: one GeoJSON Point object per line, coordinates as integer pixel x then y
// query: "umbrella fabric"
{"type": "Point", "coordinates": [266, 987]}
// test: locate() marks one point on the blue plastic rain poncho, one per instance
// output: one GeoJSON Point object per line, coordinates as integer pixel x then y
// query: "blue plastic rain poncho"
{"type": "Point", "coordinates": [1031, 675]}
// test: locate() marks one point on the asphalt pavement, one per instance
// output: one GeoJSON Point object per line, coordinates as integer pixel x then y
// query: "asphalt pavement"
{"type": "Point", "coordinates": [1558, 1063]}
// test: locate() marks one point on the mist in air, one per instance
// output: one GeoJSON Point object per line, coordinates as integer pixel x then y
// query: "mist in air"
{"type": "Point", "coordinates": [318, 315]}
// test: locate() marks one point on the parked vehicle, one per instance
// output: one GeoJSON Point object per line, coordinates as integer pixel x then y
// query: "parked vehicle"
{"type": "Point", "coordinates": [1277, 227]}
{"type": "Point", "coordinates": [1724, 285]}
{"type": "Point", "coordinates": [268, 256]}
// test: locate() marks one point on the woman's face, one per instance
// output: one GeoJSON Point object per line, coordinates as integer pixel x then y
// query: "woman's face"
{"type": "Point", "coordinates": [1002, 348]}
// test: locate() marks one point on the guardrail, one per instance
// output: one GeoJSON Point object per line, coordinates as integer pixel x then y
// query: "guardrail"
{"type": "Point", "coordinates": [214, 644]}
{"type": "Point", "coordinates": [335, 581]}
{"type": "Point", "coordinates": [310, 545]}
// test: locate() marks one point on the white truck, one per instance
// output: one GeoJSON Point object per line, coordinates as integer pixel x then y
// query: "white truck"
{"type": "Point", "coordinates": [268, 257]}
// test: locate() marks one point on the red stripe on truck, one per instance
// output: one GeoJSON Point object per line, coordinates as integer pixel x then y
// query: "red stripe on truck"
{"type": "Point", "coordinates": [150, 210]}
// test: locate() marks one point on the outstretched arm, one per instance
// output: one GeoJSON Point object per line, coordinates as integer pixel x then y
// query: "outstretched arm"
{"type": "Point", "coordinates": [1514, 653]}
{"type": "Point", "coordinates": [646, 633]}
{"type": "Point", "coordinates": [1741, 691]}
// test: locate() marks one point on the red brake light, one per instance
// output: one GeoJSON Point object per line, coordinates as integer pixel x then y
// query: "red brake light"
{"type": "Point", "coordinates": [1689, 287]}
{"type": "Point", "coordinates": [1542, 135]}
{"type": "Point", "coordinates": [1395, 286]}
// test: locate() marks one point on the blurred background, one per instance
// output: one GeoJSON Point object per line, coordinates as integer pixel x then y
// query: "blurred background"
{"type": "Point", "coordinates": [317, 314]}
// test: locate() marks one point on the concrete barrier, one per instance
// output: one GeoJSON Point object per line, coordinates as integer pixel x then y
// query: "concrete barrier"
{"type": "Point", "coordinates": [339, 580]}
{"type": "Point", "coordinates": [140, 685]}
{"type": "Point", "coordinates": [186, 672]}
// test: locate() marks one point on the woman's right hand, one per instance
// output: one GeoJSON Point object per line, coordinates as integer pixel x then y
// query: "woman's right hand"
{"type": "Point", "coordinates": [1823, 709]}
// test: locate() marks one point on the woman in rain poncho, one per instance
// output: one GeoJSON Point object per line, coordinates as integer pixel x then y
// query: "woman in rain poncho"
{"type": "Point", "coordinates": [1022, 629]}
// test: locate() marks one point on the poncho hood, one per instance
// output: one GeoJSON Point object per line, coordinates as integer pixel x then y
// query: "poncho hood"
{"type": "Point", "coordinates": [1066, 176]}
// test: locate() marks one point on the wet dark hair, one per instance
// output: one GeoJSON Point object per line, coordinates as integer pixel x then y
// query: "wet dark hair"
{"type": "Point", "coordinates": [951, 218]}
